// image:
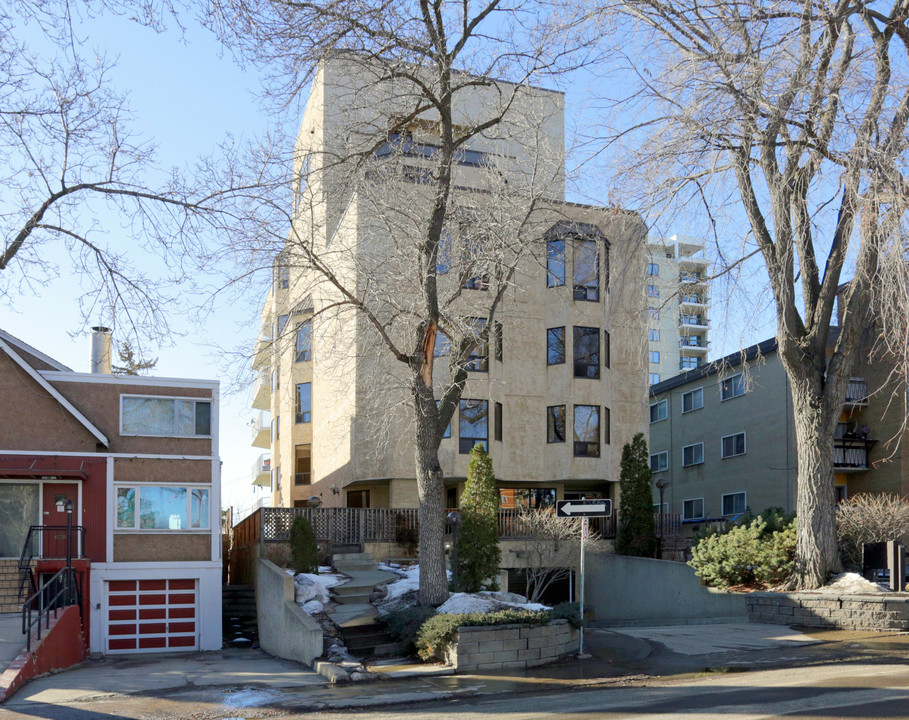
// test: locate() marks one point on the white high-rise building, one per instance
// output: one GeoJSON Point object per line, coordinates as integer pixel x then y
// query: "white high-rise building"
{"type": "Point", "coordinates": [678, 303]}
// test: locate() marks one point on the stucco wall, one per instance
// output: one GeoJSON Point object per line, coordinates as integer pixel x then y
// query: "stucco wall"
{"type": "Point", "coordinates": [284, 629]}
{"type": "Point", "coordinates": [623, 589]}
{"type": "Point", "coordinates": [158, 547]}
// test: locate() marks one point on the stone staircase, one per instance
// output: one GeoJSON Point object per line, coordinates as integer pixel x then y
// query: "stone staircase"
{"type": "Point", "coordinates": [239, 625]}
{"type": "Point", "coordinates": [10, 579]}
{"type": "Point", "coordinates": [363, 633]}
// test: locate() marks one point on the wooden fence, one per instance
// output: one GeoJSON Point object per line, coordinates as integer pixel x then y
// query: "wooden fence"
{"type": "Point", "coordinates": [353, 526]}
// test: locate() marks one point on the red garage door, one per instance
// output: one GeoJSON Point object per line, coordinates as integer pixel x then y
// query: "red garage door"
{"type": "Point", "coordinates": [151, 615]}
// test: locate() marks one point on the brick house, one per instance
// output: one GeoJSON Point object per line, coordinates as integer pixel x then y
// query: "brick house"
{"type": "Point", "coordinates": [138, 459]}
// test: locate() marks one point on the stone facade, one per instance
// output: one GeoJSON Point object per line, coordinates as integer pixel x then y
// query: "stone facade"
{"type": "Point", "coordinates": [511, 646]}
{"type": "Point", "coordinates": [883, 612]}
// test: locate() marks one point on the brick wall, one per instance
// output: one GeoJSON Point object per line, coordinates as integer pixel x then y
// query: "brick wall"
{"type": "Point", "coordinates": [507, 646]}
{"type": "Point", "coordinates": [885, 611]}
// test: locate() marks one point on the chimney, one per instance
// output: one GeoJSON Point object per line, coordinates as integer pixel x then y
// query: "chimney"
{"type": "Point", "coordinates": [101, 350]}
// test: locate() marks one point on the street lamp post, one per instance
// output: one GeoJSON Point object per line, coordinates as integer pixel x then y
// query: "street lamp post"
{"type": "Point", "coordinates": [661, 485]}
{"type": "Point", "coordinates": [454, 519]}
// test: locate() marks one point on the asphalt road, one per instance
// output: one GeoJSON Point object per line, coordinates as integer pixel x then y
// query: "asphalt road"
{"type": "Point", "coordinates": [842, 690]}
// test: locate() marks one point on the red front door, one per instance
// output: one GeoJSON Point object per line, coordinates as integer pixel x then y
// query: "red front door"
{"type": "Point", "coordinates": [53, 541]}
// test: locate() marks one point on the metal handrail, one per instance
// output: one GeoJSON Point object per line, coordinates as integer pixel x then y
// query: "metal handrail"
{"type": "Point", "coordinates": [62, 590]}
{"type": "Point", "coordinates": [26, 574]}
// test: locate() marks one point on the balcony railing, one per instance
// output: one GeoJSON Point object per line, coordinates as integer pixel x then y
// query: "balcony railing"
{"type": "Point", "coordinates": [691, 300]}
{"type": "Point", "coordinates": [690, 277]}
{"type": "Point", "coordinates": [695, 320]}
{"type": "Point", "coordinates": [851, 445]}
{"type": "Point", "coordinates": [262, 391]}
{"type": "Point", "coordinates": [262, 470]}
{"type": "Point", "coordinates": [261, 431]}
{"type": "Point", "coordinates": [689, 363]}
{"type": "Point", "coordinates": [693, 342]}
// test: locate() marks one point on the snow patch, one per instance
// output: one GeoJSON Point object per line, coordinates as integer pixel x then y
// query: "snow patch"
{"type": "Point", "coordinates": [311, 591]}
{"type": "Point", "coordinates": [462, 603]}
{"type": "Point", "coordinates": [852, 583]}
{"type": "Point", "coordinates": [248, 697]}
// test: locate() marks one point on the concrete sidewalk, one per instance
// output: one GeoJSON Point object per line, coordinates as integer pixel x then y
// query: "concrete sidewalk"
{"type": "Point", "coordinates": [231, 683]}
{"type": "Point", "coordinates": [12, 641]}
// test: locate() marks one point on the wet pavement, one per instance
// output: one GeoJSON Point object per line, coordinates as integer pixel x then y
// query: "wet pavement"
{"type": "Point", "coordinates": [251, 684]}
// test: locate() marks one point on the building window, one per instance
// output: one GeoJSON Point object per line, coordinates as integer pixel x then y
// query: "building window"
{"type": "Point", "coordinates": [473, 425]}
{"type": "Point", "coordinates": [733, 387]}
{"type": "Point", "coordinates": [555, 424]}
{"type": "Point", "coordinates": [555, 263]}
{"type": "Point", "coordinates": [692, 400]}
{"type": "Point", "coordinates": [587, 352]}
{"type": "Point", "coordinates": [693, 509]}
{"type": "Point", "coordinates": [555, 346]}
{"type": "Point", "coordinates": [653, 312]}
{"type": "Point", "coordinates": [733, 445]}
{"type": "Point", "coordinates": [302, 464]}
{"type": "Point", "coordinates": [443, 345]}
{"type": "Point", "coordinates": [606, 426]}
{"type": "Point", "coordinates": [447, 433]}
{"type": "Point", "coordinates": [734, 503]}
{"type": "Point", "coordinates": [586, 431]}
{"type": "Point", "coordinates": [497, 422]}
{"type": "Point", "coordinates": [303, 407]}
{"type": "Point", "coordinates": [526, 498]}
{"type": "Point", "coordinates": [165, 417]}
{"type": "Point", "coordinates": [282, 323]}
{"type": "Point", "coordinates": [499, 341]}
{"type": "Point", "coordinates": [659, 411]}
{"type": "Point", "coordinates": [659, 461]}
{"type": "Point", "coordinates": [655, 357]}
{"type": "Point", "coordinates": [653, 291]}
{"type": "Point", "coordinates": [653, 270]}
{"type": "Point", "coordinates": [654, 335]}
{"type": "Point", "coordinates": [278, 479]}
{"type": "Point", "coordinates": [586, 271]}
{"type": "Point", "coordinates": [304, 341]}
{"type": "Point", "coordinates": [478, 360]}
{"type": "Point", "coordinates": [607, 349]}
{"type": "Point", "coordinates": [654, 378]}
{"type": "Point", "coordinates": [276, 428]}
{"type": "Point", "coordinates": [443, 252]}
{"type": "Point", "coordinates": [693, 454]}
{"type": "Point", "coordinates": [162, 507]}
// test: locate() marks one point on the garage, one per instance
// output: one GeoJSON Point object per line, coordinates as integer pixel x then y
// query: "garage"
{"type": "Point", "coordinates": [149, 615]}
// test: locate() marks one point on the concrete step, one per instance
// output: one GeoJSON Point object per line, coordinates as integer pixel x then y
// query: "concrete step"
{"type": "Point", "coordinates": [353, 615]}
{"type": "Point", "coordinates": [353, 556]}
{"type": "Point", "coordinates": [352, 599]}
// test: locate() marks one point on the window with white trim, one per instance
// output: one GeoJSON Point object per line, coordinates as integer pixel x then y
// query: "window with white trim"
{"type": "Point", "coordinates": [733, 387]}
{"type": "Point", "coordinates": [659, 411]}
{"type": "Point", "coordinates": [659, 461]}
{"type": "Point", "coordinates": [693, 454]}
{"type": "Point", "coordinates": [734, 503]}
{"type": "Point", "coordinates": [164, 416]}
{"type": "Point", "coordinates": [733, 445]}
{"type": "Point", "coordinates": [693, 509]}
{"type": "Point", "coordinates": [692, 400]}
{"type": "Point", "coordinates": [162, 507]}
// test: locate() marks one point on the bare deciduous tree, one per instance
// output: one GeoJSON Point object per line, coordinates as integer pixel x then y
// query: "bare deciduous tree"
{"type": "Point", "coordinates": [386, 223]}
{"type": "Point", "coordinates": [549, 549]}
{"type": "Point", "coordinates": [796, 112]}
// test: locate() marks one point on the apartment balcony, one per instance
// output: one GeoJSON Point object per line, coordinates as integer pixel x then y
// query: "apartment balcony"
{"type": "Point", "coordinates": [262, 470]}
{"type": "Point", "coordinates": [851, 445]}
{"type": "Point", "coordinates": [262, 391]}
{"type": "Point", "coordinates": [693, 300]}
{"type": "Point", "coordinates": [262, 351]}
{"type": "Point", "coordinates": [688, 346]}
{"type": "Point", "coordinates": [857, 393]}
{"type": "Point", "coordinates": [690, 363]}
{"type": "Point", "coordinates": [261, 431]}
{"type": "Point", "coordinates": [691, 278]}
{"type": "Point", "coordinates": [697, 322]}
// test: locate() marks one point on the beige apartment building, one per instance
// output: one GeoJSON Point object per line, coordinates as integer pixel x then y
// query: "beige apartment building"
{"type": "Point", "coordinates": [559, 386]}
{"type": "Point", "coordinates": [678, 301]}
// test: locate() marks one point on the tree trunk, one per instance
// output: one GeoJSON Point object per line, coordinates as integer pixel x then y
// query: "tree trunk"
{"type": "Point", "coordinates": [433, 578]}
{"type": "Point", "coordinates": [815, 417]}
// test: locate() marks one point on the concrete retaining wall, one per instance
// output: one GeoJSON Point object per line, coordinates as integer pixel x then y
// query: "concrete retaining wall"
{"type": "Point", "coordinates": [511, 646]}
{"type": "Point", "coordinates": [284, 629]}
{"type": "Point", "coordinates": [885, 611]}
{"type": "Point", "coordinates": [633, 590]}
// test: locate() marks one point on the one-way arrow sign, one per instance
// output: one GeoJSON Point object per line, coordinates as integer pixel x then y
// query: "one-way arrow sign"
{"type": "Point", "coordinates": [584, 508]}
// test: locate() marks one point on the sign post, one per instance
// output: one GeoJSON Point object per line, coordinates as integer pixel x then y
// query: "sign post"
{"type": "Point", "coordinates": [584, 509]}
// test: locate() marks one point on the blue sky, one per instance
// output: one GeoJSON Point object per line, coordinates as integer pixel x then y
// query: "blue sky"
{"type": "Point", "coordinates": [186, 97]}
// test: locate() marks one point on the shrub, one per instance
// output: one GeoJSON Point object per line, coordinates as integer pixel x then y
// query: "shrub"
{"type": "Point", "coordinates": [405, 535]}
{"type": "Point", "coordinates": [570, 611]}
{"type": "Point", "coordinates": [438, 631]}
{"type": "Point", "coordinates": [745, 555]}
{"type": "Point", "coordinates": [278, 553]}
{"type": "Point", "coordinates": [869, 518]}
{"type": "Point", "coordinates": [304, 552]}
{"type": "Point", "coordinates": [405, 624]}
{"type": "Point", "coordinates": [636, 535]}
{"type": "Point", "coordinates": [478, 543]}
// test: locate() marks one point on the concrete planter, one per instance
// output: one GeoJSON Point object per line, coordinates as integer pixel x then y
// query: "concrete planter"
{"type": "Point", "coordinates": [881, 612]}
{"type": "Point", "coordinates": [511, 646]}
